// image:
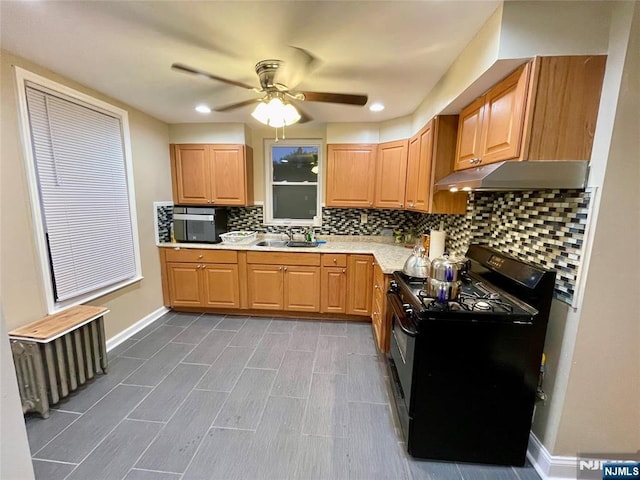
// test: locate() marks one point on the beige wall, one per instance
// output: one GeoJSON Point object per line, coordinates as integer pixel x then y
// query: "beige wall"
{"type": "Point", "coordinates": [207, 133]}
{"type": "Point", "coordinates": [601, 411]}
{"type": "Point", "coordinates": [20, 280]}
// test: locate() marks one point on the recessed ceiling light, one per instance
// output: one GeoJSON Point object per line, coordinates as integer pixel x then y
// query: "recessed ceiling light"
{"type": "Point", "coordinates": [203, 109]}
{"type": "Point", "coordinates": [376, 107]}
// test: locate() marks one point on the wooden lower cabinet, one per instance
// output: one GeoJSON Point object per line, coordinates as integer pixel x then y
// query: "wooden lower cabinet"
{"type": "Point", "coordinates": [301, 288]}
{"type": "Point", "coordinates": [380, 317]}
{"type": "Point", "coordinates": [334, 290]}
{"type": "Point", "coordinates": [185, 284]}
{"type": "Point", "coordinates": [359, 281]}
{"type": "Point", "coordinates": [220, 286]}
{"type": "Point", "coordinates": [265, 286]}
{"type": "Point", "coordinates": [283, 287]}
{"type": "Point", "coordinates": [200, 278]}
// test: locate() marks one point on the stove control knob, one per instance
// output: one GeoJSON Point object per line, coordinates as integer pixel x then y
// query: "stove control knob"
{"type": "Point", "coordinates": [393, 286]}
{"type": "Point", "coordinates": [407, 309]}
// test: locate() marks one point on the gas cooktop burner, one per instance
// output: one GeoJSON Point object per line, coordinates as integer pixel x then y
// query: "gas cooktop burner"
{"type": "Point", "coordinates": [475, 296]}
{"type": "Point", "coordinates": [481, 305]}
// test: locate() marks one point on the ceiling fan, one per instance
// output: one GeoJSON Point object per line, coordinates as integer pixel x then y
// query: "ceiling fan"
{"type": "Point", "coordinates": [277, 95]}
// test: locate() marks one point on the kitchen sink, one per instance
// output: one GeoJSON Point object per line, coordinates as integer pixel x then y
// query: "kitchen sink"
{"type": "Point", "coordinates": [284, 243]}
{"type": "Point", "coordinates": [272, 243]}
{"type": "Point", "coordinates": [294, 243]}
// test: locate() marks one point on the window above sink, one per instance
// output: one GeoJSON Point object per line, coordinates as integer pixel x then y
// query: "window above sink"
{"type": "Point", "coordinates": [293, 182]}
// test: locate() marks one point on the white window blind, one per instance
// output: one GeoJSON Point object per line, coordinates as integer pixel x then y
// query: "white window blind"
{"type": "Point", "coordinates": [81, 173]}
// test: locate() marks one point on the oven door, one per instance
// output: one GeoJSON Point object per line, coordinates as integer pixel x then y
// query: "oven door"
{"type": "Point", "coordinates": [401, 356]}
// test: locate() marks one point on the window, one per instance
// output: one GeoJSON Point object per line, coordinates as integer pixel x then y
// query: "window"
{"type": "Point", "coordinates": [293, 173]}
{"type": "Point", "coordinates": [78, 161]}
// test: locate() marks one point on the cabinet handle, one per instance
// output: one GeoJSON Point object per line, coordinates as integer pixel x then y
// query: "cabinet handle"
{"type": "Point", "coordinates": [344, 270]}
{"type": "Point", "coordinates": [280, 268]}
{"type": "Point", "coordinates": [476, 160]}
{"type": "Point", "coordinates": [285, 269]}
{"type": "Point", "coordinates": [376, 286]}
{"type": "Point", "coordinates": [335, 260]}
{"type": "Point", "coordinates": [200, 256]}
{"type": "Point", "coordinates": [401, 205]}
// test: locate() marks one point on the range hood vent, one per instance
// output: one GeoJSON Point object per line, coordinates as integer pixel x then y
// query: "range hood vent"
{"type": "Point", "coordinates": [509, 176]}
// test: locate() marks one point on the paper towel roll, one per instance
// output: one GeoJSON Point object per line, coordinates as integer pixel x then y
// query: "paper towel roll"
{"type": "Point", "coordinates": [436, 246]}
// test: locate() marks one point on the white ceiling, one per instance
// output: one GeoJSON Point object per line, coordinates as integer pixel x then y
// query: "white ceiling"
{"type": "Point", "coordinates": [394, 51]}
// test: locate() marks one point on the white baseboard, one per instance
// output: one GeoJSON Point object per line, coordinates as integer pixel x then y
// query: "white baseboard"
{"type": "Point", "coordinates": [116, 340]}
{"type": "Point", "coordinates": [548, 466]}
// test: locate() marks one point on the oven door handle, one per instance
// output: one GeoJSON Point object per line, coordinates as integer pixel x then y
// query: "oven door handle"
{"type": "Point", "coordinates": [396, 306]}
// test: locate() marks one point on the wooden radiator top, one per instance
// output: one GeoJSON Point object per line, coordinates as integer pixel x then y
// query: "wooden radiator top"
{"type": "Point", "coordinates": [53, 326]}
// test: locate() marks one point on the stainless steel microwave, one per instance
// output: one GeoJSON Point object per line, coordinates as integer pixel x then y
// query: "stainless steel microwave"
{"type": "Point", "coordinates": [199, 224]}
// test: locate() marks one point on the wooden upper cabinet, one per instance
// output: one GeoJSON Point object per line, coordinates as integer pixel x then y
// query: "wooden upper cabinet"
{"type": "Point", "coordinates": [231, 174]}
{"type": "Point", "coordinates": [418, 190]}
{"type": "Point", "coordinates": [391, 174]}
{"type": "Point", "coordinates": [351, 175]}
{"type": "Point", "coordinates": [190, 174]}
{"type": "Point", "coordinates": [503, 117]}
{"type": "Point", "coordinates": [545, 110]}
{"type": "Point", "coordinates": [469, 134]}
{"type": "Point", "coordinates": [212, 174]}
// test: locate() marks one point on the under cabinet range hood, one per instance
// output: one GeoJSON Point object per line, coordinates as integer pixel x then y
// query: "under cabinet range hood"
{"type": "Point", "coordinates": [527, 175]}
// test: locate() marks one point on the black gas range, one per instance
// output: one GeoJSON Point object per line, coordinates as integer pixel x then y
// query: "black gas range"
{"type": "Point", "coordinates": [465, 371]}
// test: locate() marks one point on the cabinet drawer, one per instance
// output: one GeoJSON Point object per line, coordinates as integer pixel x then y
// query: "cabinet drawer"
{"type": "Point", "coordinates": [334, 260]}
{"type": "Point", "coordinates": [278, 258]}
{"type": "Point", "coordinates": [205, 256]}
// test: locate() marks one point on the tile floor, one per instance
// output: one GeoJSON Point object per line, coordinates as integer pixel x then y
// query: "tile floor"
{"type": "Point", "coordinates": [210, 397]}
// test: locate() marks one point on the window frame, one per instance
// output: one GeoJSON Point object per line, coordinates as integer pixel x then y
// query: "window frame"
{"type": "Point", "coordinates": [22, 77]}
{"type": "Point", "coordinates": [268, 197]}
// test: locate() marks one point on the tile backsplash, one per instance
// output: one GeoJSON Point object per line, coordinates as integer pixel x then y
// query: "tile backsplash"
{"type": "Point", "coordinates": [543, 227]}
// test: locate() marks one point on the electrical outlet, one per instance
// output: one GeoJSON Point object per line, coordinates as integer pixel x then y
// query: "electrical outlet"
{"type": "Point", "coordinates": [363, 218]}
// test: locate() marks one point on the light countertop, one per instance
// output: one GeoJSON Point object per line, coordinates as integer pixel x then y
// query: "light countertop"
{"type": "Point", "coordinates": [389, 256]}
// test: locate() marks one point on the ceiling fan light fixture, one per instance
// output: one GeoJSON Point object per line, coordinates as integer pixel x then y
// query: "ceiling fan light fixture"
{"type": "Point", "coordinates": [275, 113]}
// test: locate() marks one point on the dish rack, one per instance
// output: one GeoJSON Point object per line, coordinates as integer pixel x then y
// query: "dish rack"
{"type": "Point", "coordinates": [239, 237]}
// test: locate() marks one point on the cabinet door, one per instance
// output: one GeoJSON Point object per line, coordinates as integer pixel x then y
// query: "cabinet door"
{"type": "Point", "coordinates": [391, 174]}
{"type": "Point", "coordinates": [185, 284]}
{"type": "Point", "coordinates": [302, 288]}
{"type": "Point", "coordinates": [190, 177]}
{"type": "Point", "coordinates": [334, 290]}
{"type": "Point", "coordinates": [265, 286]}
{"type": "Point", "coordinates": [469, 135]}
{"type": "Point", "coordinates": [413, 165]}
{"type": "Point", "coordinates": [423, 174]}
{"type": "Point", "coordinates": [227, 174]}
{"type": "Point", "coordinates": [350, 175]}
{"type": "Point", "coordinates": [359, 284]}
{"type": "Point", "coordinates": [221, 286]}
{"type": "Point", "coordinates": [503, 118]}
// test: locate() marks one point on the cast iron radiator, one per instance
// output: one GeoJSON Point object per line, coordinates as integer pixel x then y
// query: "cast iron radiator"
{"type": "Point", "coordinates": [57, 355]}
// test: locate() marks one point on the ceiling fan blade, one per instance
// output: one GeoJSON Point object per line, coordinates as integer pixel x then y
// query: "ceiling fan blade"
{"type": "Point", "coordinates": [232, 106]}
{"type": "Point", "coordinates": [346, 98]}
{"type": "Point", "coordinates": [187, 69]}
{"type": "Point", "coordinates": [304, 116]}
{"type": "Point", "coordinates": [300, 64]}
